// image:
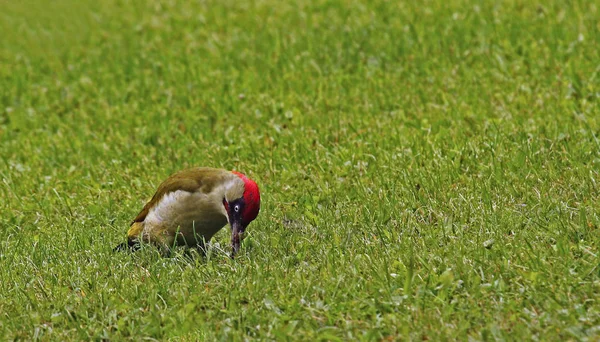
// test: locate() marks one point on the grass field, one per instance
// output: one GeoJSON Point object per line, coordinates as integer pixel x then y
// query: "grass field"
{"type": "Point", "coordinates": [428, 170]}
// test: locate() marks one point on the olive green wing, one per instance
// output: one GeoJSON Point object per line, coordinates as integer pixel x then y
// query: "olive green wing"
{"type": "Point", "coordinates": [191, 180]}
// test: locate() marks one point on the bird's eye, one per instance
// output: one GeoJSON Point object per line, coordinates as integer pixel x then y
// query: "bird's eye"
{"type": "Point", "coordinates": [236, 208]}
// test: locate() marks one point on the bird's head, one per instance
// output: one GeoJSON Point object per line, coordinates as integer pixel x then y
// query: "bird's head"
{"type": "Point", "coordinates": [242, 204]}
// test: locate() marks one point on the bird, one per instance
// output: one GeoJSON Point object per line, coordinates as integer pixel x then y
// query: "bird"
{"type": "Point", "coordinates": [191, 206]}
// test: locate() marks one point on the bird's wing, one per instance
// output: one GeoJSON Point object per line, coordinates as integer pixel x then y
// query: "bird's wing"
{"type": "Point", "coordinates": [190, 180]}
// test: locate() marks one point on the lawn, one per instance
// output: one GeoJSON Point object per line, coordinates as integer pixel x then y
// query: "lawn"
{"type": "Point", "coordinates": [428, 170]}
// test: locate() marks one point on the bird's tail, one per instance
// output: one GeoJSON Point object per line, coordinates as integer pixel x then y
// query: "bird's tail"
{"type": "Point", "coordinates": [132, 244]}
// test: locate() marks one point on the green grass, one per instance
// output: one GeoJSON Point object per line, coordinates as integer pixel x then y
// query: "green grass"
{"type": "Point", "coordinates": [428, 170]}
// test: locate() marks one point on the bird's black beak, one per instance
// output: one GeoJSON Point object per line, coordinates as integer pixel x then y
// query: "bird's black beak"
{"type": "Point", "coordinates": [237, 235]}
{"type": "Point", "coordinates": [235, 209]}
{"type": "Point", "coordinates": [237, 227]}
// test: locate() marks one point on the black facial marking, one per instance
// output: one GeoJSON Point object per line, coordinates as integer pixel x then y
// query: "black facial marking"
{"type": "Point", "coordinates": [236, 208]}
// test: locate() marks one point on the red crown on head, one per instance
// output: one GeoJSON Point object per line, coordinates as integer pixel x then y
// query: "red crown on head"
{"type": "Point", "coordinates": [251, 199]}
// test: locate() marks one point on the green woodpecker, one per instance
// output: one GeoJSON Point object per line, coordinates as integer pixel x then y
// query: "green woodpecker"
{"type": "Point", "coordinates": [192, 205]}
